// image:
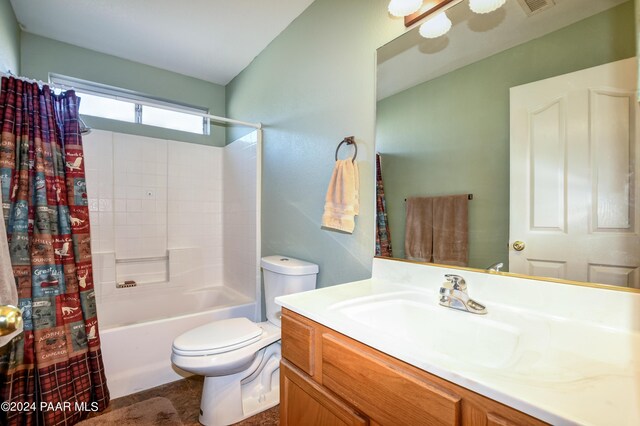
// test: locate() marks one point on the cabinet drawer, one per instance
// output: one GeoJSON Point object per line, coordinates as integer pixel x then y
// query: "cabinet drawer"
{"type": "Point", "coordinates": [389, 394]}
{"type": "Point", "coordinates": [298, 343]}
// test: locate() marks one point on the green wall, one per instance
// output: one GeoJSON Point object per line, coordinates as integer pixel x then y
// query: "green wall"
{"type": "Point", "coordinates": [312, 86]}
{"type": "Point", "coordinates": [41, 56]}
{"type": "Point", "coordinates": [451, 134]}
{"type": "Point", "coordinates": [9, 39]}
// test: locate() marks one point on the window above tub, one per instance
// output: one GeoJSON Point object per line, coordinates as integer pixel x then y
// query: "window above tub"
{"type": "Point", "coordinates": [114, 103]}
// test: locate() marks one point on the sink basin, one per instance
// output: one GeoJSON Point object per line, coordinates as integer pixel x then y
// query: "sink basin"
{"type": "Point", "coordinates": [441, 332]}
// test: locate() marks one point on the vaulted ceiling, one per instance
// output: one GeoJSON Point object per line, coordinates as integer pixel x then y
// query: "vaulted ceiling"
{"type": "Point", "coordinates": [212, 40]}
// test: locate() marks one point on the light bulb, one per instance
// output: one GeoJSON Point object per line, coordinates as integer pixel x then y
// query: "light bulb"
{"type": "Point", "coordinates": [485, 6]}
{"type": "Point", "coordinates": [435, 27]}
{"type": "Point", "coordinates": [404, 7]}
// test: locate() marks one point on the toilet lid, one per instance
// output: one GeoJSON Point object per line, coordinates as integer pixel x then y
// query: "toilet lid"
{"type": "Point", "coordinates": [217, 337]}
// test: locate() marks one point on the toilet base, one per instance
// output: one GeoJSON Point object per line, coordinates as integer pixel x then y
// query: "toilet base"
{"type": "Point", "coordinates": [230, 399]}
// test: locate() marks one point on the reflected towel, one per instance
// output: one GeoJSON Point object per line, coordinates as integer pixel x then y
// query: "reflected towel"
{"type": "Point", "coordinates": [418, 238]}
{"type": "Point", "coordinates": [8, 289]}
{"type": "Point", "coordinates": [451, 230]}
{"type": "Point", "coordinates": [342, 202]}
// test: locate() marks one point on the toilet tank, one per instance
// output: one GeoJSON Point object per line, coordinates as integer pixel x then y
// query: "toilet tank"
{"type": "Point", "coordinates": [285, 275]}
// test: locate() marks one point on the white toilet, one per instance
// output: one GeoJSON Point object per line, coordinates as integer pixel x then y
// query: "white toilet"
{"type": "Point", "coordinates": [240, 359]}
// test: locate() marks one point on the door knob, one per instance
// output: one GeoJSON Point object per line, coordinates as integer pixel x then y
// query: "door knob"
{"type": "Point", "coordinates": [518, 245]}
{"type": "Point", "coordinates": [10, 319]}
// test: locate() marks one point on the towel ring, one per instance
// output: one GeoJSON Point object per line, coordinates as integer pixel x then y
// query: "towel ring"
{"type": "Point", "coordinates": [349, 140]}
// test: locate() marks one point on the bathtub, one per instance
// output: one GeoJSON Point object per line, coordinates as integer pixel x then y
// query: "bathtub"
{"type": "Point", "coordinates": [138, 328]}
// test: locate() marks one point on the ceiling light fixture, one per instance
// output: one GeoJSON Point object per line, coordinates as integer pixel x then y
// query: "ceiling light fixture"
{"type": "Point", "coordinates": [485, 6]}
{"type": "Point", "coordinates": [438, 23]}
{"type": "Point", "coordinates": [436, 27]}
{"type": "Point", "coordinates": [404, 7]}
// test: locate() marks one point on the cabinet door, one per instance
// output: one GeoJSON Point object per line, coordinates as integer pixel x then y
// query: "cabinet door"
{"type": "Point", "coordinates": [298, 343]}
{"type": "Point", "coordinates": [305, 403]}
{"type": "Point", "coordinates": [385, 391]}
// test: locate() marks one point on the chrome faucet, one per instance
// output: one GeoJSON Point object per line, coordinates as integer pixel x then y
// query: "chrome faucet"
{"type": "Point", "coordinates": [453, 294]}
{"type": "Point", "coordinates": [495, 267]}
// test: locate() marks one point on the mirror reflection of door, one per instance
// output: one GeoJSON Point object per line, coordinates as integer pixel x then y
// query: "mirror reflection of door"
{"type": "Point", "coordinates": [574, 150]}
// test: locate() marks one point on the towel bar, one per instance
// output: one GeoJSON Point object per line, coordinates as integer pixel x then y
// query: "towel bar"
{"type": "Point", "coordinates": [469, 196]}
{"type": "Point", "coordinates": [349, 140]}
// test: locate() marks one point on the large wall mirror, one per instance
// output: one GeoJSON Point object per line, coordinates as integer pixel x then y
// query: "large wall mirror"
{"type": "Point", "coordinates": [533, 115]}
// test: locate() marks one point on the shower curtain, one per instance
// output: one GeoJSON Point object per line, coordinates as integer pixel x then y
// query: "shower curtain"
{"type": "Point", "coordinates": [52, 373]}
{"type": "Point", "coordinates": [383, 234]}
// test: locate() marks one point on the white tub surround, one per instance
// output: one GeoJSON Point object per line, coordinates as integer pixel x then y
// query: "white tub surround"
{"type": "Point", "coordinates": [562, 353]}
{"type": "Point", "coordinates": [169, 303]}
{"type": "Point", "coordinates": [182, 221]}
{"type": "Point", "coordinates": [168, 213]}
{"type": "Point", "coordinates": [241, 214]}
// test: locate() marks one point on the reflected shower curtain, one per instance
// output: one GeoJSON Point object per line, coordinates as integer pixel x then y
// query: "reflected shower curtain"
{"type": "Point", "coordinates": [383, 234]}
{"type": "Point", "coordinates": [55, 366]}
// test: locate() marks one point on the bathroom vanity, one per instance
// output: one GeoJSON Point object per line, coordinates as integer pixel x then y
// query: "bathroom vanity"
{"type": "Point", "coordinates": [330, 378]}
{"type": "Point", "coordinates": [383, 351]}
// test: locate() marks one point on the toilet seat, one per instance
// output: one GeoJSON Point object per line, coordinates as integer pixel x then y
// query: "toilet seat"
{"type": "Point", "coordinates": [217, 337]}
{"type": "Point", "coordinates": [228, 362]}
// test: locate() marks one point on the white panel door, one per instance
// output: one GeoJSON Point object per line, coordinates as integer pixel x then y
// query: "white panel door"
{"type": "Point", "coordinates": [574, 182]}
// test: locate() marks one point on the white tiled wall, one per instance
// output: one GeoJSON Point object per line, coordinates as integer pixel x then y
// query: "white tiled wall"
{"type": "Point", "coordinates": [195, 206]}
{"type": "Point", "coordinates": [98, 153]}
{"type": "Point", "coordinates": [151, 198]}
{"type": "Point", "coordinates": [239, 215]}
{"type": "Point", "coordinates": [140, 196]}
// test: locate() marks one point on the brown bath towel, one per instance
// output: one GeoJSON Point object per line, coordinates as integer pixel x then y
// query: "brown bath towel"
{"type": "Point", "coordinates": [437, 230]}
{"type": "Point", "coordinates": [418, 238]}
{"type": "Point", "coordinates": [451, 230]}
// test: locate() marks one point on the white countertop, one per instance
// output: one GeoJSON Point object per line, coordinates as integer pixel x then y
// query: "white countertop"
{"type": "Point", "coordinates": [562, 353]}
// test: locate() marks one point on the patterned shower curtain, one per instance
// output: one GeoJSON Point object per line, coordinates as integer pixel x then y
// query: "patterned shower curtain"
{"type": "Point", "coordinates": [52, 373]}
{"type": "Point", "coordinates": [383, 234]}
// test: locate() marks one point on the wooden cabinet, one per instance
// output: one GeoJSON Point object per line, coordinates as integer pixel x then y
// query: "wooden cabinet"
{"type": "Point", "coordinates": [300, 343]}
{"type": "Point", "coordinates": [304, 402]}
{"type": "Point", "coordinates": [330, 379]}
{"type": "Point", "coordinates": [383, 389]}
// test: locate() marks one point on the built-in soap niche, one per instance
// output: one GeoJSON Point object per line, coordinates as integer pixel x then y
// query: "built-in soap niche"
{"type": "Point", "coordinates": [179, 267]}
{"type": "Point", "coordinates": [115, 276]}
{"type": "Point", "coordinates": [131, 272]}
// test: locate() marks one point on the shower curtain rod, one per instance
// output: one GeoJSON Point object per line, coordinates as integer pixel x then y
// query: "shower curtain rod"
{"type": "Point", "coordinates": [149, 104]}
{"type": "Point", "coordinates": [201, 114]}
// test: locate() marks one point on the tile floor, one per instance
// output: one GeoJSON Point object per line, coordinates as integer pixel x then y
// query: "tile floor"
{"type": "Point", "coordinates": [185, 396]}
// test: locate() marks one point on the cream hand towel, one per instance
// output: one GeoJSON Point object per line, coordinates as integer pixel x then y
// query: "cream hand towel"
{"type": "Point", "coordinates": [342, 202]}
{"type": "Point", "coordinates": [8, 290]}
